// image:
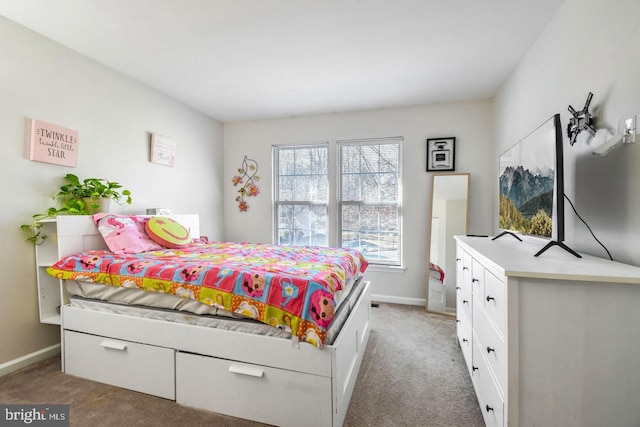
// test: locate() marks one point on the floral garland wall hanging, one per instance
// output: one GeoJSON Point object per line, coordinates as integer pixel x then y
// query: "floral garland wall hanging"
{"type": "Point", "coordinates": [247, 179]}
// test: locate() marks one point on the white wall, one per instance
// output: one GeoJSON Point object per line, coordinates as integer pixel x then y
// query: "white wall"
{"type": "Point", "coordinates": [470, 122]}
{"type": "Point", "coordinates": [114, 117]}
{"type": "Point", "coordinates": [590, 46]}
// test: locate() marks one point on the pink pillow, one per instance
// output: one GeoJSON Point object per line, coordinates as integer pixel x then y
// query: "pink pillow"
{"type": "Point", "coordinates": [125, 233]}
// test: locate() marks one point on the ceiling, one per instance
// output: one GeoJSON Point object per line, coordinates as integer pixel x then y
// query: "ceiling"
{"type": "Point", "coordinates": [238, 60]}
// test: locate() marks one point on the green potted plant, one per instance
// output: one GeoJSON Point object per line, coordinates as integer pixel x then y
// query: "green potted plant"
{"type": "Point", "coordinates": [90, 192]}
{"type": "Point", "coordinates": [78, 198]}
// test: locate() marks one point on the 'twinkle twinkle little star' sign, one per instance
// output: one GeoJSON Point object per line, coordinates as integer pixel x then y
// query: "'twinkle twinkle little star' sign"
{"type": "Point", "coordinates": [53, 144]}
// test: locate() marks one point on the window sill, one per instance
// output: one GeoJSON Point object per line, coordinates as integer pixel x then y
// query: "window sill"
{"type": "Point", "coordinates": [386, 268]}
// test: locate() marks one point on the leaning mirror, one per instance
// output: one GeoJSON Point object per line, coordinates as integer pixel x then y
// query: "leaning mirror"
{"type": "Point", "coordinates": [449, 217]}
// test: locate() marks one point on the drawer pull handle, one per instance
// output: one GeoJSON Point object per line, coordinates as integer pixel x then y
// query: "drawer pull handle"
{"type": "Point", "coordinates": [458, 287]}
{"type": "Point", "coordinates": [489, 408]}
{"type": "Point", "coordinates": [114, 345]}
{"type": "Point", "coordinates": [458, 321]}
{"type": "Point", "coordinates": [490, 298]}
{"type": "Point", "coordinates": [475, 280]}
{"type": "Point", "coordinates": [489, 350]}
{"type": "Point", "coordinates": [465, 268]}
{"type": "Point", "coordinates": [464, 301]}
{"type": "Point", "coordinates": [246, 370]}
{"type": "Point", "coordinates": [474, 368]}
{"type": "Point", "coordinates": [465, 340]}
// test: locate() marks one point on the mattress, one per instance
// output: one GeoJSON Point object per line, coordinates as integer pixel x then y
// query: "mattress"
{"type": "Point", "coordinates": [293, 287]}
{"type": "Point", "coordinates": [172, 308]}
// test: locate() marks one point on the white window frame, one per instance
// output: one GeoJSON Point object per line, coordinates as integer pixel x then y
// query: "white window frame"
{"type": "Point", "coordinates": [334, 203]}
{"type": "Point", "coordinates": [398, 204]}
{"type": "Point", "coordinates": [277, 202]}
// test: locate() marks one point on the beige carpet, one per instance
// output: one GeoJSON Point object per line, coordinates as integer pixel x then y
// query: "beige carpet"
{"type": "Point", "coordinates": [413, 374]}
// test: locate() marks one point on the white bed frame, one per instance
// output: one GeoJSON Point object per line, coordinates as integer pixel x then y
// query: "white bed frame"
{"type": "Point", "coordinates": [261, 378]}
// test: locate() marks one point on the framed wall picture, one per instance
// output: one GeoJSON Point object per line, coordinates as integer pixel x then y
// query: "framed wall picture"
{"type": "Point", "coordinates": [163, 150]}
{"type": "Point", "coordinates": [441, 154]}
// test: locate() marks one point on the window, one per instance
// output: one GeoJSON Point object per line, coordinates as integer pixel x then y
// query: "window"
{"type": "Point", "coordinates": [369, 202]}
{"type": "Point", "coordinates": [301, 194]}
{"type": "Point", "coordinates": [367, 190]}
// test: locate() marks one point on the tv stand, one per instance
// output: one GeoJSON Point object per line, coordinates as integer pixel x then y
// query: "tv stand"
{"type": "Point", "coordinates": [558, 243]}
{"type": "Point", "coordinates": [507, 232]}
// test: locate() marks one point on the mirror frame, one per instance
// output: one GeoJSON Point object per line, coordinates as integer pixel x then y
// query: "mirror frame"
{"type": "Point", "coordinates": [433, 180]}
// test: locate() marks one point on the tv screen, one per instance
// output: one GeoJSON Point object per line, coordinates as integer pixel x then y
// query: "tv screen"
{"type": "Point", "coordinates": [532, 186]}
{"type": "Point", "coordinates": [531, 189]}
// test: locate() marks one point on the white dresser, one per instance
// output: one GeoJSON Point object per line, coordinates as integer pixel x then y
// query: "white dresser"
{"type": "Point", "coordinates": [551, 340]}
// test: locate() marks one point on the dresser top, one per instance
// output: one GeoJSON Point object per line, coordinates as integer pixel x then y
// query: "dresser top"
{"type": "Point", "coordinates": [514, 258]}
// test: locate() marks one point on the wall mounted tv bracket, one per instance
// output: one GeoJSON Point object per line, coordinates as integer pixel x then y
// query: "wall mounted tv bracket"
{"type": "Point", "coordinates": [580, 121]}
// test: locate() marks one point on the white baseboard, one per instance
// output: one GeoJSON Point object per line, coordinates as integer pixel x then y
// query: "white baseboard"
{"type": "Point", "coordinates": [29, 359]}
{"type": "Point", "coordinates": [398, 300]}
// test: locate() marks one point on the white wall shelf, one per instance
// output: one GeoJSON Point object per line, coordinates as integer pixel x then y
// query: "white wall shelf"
{"type": "Point", "coordinates": [50, 291]}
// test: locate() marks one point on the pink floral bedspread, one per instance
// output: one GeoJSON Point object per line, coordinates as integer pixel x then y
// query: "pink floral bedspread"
{"type": "Point", "coordinates": [290, 287]}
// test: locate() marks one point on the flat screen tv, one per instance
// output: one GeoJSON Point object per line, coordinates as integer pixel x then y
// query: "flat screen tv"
{"type": "Point", "coordinates": [532, 186]}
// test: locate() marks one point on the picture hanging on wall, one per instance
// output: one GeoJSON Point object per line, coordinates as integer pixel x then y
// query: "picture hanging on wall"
{"type": "Point", "coordinates": [441, 154]}
{"type": "Point", "coordinates": [163, 150]}
{"type": "Point", "coordinates": [51, 143]}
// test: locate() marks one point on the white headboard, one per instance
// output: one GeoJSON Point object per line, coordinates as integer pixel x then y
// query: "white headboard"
{"type": "Point", "coordinates": [77, 233]}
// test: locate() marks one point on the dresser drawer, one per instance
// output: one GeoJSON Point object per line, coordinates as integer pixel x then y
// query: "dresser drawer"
{"type": "Point", "coordinates": [466, 263]}
{"type": "Point", "coordinates": [477, 279]}
{"type": "Point", "coordinates": [491, 402]}
{"type": "Point", "coordinates": [495, 300]}
{"type": "Point", "coordinates": [259, 393]}
{"type": "Point", "coordinates": [491, 344]}
{"type": "Point", "coordinates": [465, 338]}
{"type": "Point", "coordinates": [464, 282]}
{"type": "Point", "coordinates": [139, 367]}
{"type": "Point", "coordinates": [459, 251]}
{"type": "Point", "coordinates": [464, 303]}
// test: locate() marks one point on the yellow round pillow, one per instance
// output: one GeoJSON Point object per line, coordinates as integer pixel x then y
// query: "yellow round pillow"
{"type": "Point", "coordinates": [167, 232]}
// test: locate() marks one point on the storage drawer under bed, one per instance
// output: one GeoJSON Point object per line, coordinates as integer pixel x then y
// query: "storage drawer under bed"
{"type": "Point", "coordinates": [140, 367]}
{"type": "Point", "coordinates": [269, 395]}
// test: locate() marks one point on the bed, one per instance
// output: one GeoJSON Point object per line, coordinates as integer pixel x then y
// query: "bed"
{"type": "Point", "coordinates": [263, 365]}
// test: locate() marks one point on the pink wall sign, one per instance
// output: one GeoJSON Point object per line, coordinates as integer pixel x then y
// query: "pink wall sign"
{"type": "Point", "coordinates": [163, 150]}
{"type": "Point", "coordinates": [53, 144]}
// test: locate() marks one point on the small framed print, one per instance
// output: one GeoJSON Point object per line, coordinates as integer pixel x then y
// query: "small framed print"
{"type": "Point", "coordinates": [441, 154]}
{"type": "Point", "coordinates": [163, 150]}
